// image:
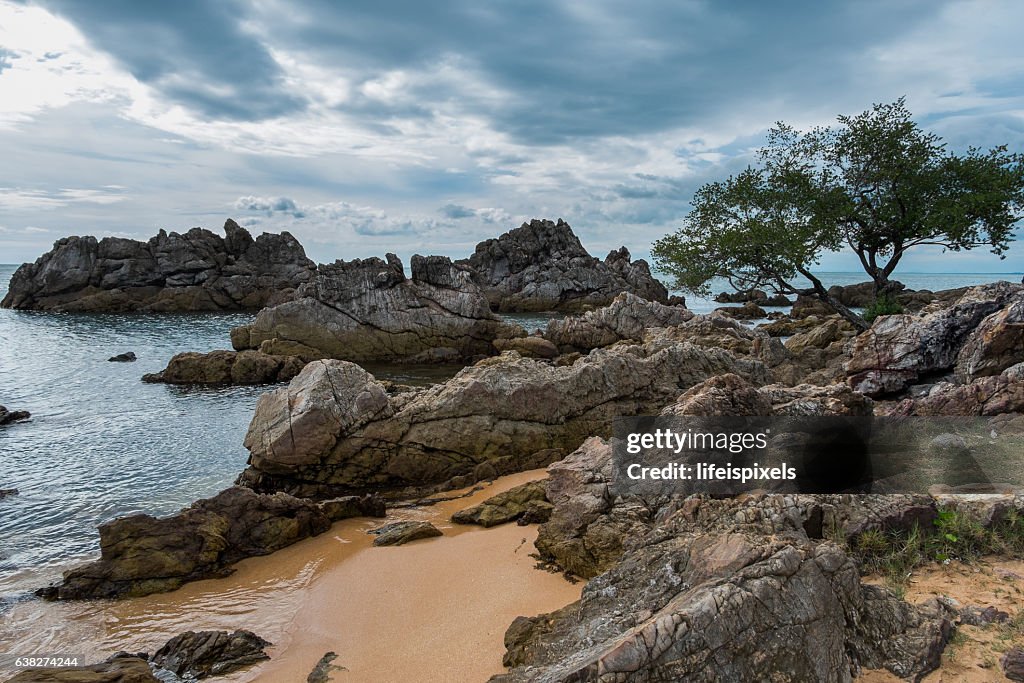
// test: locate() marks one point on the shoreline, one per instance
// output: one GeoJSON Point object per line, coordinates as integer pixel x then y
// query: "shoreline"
{"type": "Point", "coordinates": [439, 606]}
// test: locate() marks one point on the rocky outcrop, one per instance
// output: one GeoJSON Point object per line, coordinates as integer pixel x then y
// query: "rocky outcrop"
{"type": "Point", "coordinates": [1003, 393]}
{"type": "Point", "coordinates": [748, 311]}
{"type": "Point", "coordinates": [140, 554]}
{"type": "Point", "coordinates": [627, 317]}
{"type": "Point", "coordinates": [227, 367]}
{"type": "Point", "coordinates": [334, 429]}
{"type": "Point", "coordinates": [996, 344]}
{"type": "Point", "coordinates": [126, 357]}
{"type": "Point", "coordinates": [9, 416]}
{"type": "Point", "coordinates": [757, 296]}
{"type": "Point", "coordinates": [400, 533]}
{"type": "Point", "coordinates": [527, 501]}
{"type": "Point", "coordinates": [541, 266]}
{"type": "Point", "coordinates": [721, 590]}
{"type": "Point", "coordinates": [900, 349]}
{"type": "Point", "coordinates": [193, 655]}
{"type": "Point", "coordinates": [368, 310]}
{"type": "Point", "coordinates": [195, 271]}
{"type": "Point", "coordinates": [118, 669]}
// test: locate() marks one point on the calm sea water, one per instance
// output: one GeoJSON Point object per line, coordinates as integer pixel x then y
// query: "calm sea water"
{"type": "Point", "coordinates": [102, 444]}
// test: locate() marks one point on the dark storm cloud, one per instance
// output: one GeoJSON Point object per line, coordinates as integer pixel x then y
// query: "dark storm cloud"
{"type": "Point", "coordinates": [195, 53]}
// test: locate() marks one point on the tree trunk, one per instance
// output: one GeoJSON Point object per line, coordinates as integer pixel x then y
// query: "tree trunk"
{"type": "Point", "coordinates": [818, 290]}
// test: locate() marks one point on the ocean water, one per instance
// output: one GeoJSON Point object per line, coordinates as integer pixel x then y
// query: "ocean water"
{"type": "Point", "coordinates": [101, 443]}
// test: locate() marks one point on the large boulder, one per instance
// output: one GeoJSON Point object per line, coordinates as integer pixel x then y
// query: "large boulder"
{"type": "Point", "coordinates": [899, 349]}
{"type": "Point", "coordinates": [334, 429]}
{"type": "Point", "coordinates": [141, 554]}
{"type": "Point", "coordinates": [227, 367]}
{"type": "Point", "coordinates": [527, 500]}
{"type": "Point", "coordinates": [542, 266]}
{"type": "Point", "coordinates": [627, 317]}
{"type": "Point", "coordinates": [996, 344]}
{"type": "Point", "coordinates": [193, 655]}
{"type": "Point", "coordinates": [368, 310]}
{"type": "Point", "coordinates": [196, 271]}
{"type": "Point", "coordinates": [993, 395]}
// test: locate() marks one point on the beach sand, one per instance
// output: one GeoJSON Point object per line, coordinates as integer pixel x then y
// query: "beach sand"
{"type": "Point", "coordinates": [431, 610]}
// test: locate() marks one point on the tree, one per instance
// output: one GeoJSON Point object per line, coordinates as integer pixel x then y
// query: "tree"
{"type": "Point", "coordinates": [876, 184]}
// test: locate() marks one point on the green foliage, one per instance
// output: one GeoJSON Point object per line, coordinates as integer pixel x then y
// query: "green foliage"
{"type": "Point", "coordinates": [883, 305]}
{"type": "Point", "coordinates": [876, 183]}
{"type": "Point", "coordinates": [953, 535]}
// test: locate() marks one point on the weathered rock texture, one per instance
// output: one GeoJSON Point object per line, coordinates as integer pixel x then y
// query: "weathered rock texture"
{"type": "Point", "coordinates": [527, 501]}
{"type": "Point", "coordinates": [140, 554]}
{"type": "Point", "coordinates": [193, 655]}
{"type": "Point", "coordinates": [704, 589]}
{"type": "Point", "coordinates": [995, 395]}
{"type": "Point", "coordinates": [899, 350]}
{"type": "Point", "coordinates": [117, 669]}
{"type": "Point", "coordinates": [368, 310]}
{"type": "Point", "coordinates": [196, 271]}
{"type": "Point", "coordinates": [400, 533]}
{"type": "Point", "coordinates": [541, 266]}
{"type": "Point", "coordinates": [227, 367]}
{"type": "Point", "coordinates": [627, 317]}
{"type": "Point", "coordinates": [334, 429]}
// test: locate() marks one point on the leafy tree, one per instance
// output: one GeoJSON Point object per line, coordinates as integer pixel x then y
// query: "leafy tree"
{"type": "Point", "coordinates": [877, 184]}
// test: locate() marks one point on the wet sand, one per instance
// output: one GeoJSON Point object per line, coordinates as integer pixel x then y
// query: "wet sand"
{"type": "Point", "coordinates": [431, 610]}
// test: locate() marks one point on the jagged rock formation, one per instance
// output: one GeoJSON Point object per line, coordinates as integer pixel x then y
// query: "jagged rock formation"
{"type": "Point", "coordinates": [898, 350]}
{"type": "Point", "coordinates": [368, 310]}
{"type": "Point", "coordinates": [121, 668]}
{"type": "Point", "coordinates": [227, 367]}
{"type": "Point", "coordinates": [193, 655]}
{"type": "Point", "coordinates": [526, 502]}
{"type": "Point", "coordinates": [992, 395]}
{"type": "Point", "coordinates": [627, 317]}
{"type": "Point", "coordinates": [195, 271]}
{"type": "Point", "coordinates": [141, 554]}
{"type": "Point", "coordinates": [8, 416]}
{"type": "Point", "coordinates": [541, 266]}
{"type": "Point", "coordinates": [334, 429]}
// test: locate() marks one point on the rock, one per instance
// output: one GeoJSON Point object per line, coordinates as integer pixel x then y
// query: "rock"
{"type": "Point", "coordinates": [997, 395]}
{"type": "Point", "coordinates": [400, 533]}
{"type": "Point", "coordinates": [541, 266]}
{"type": "Point", "coordinates": [196, 271]}
{"type": "Point", "coordinates": [321, 673]}
{"type": "Point", "coordinates": [8, 416]}
{"type": "Point", "coordinates": [818, 338]}
{"type": "Point", "coordinates": [899, 349]}
{"type": "Point", "coordinates": [996, 344]}
{"type": "Point", "coordinates": [504, 507]}
{"type": "Point", "coordinates": [368, 310]}
{"type": "Point", "coordinates": [806, 305]}
{"type": "Point", "coordinates": [227, 367]}
{"type": "Point", "coordinates": [140, 554]}
{"type": "Point", "coordinates": [861, 294]}
{"type": "Point", "coordinates": [370, 505]}
{"type": "Point", "coordinates": [724, 395]}
{"type": "Point", "coordinates": [627, 317]}
{"type": "Point", "coordinates": [4, 493]}
{"type": "Point", "coordinates": [1013, 664]}
{"type": "Point", "coordinates": [776, 300]}
{"type": "Point", "coordinates": [808, 399]}
{"type": "Point", "coordinates": [126, 357]}
{"type": "Point", "coordinates": [117, 669]}
{"type": "Point", "coordinates": [192, 655]}
{"type": "Point", "coordinates": [742, 296]}
{"type": "Point", "coordinates": [528, 347]}
{"type": "Point", "coordinates": [733, 604]}
{"type": "Point", "coordinates": [335, 430]}
{"type": "Point", "coordinates": [973, 615]}
{"type": "Point", "coordinates": [748, 311]}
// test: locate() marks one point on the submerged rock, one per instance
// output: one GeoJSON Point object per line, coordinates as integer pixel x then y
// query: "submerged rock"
{"type": "Point", "coordinates": [140, 554]}
{"type": "Point", "coordinates": [334, 429]}
{"type": "Point", "coordinates": [227, 367]}
{"type": "Point", "coordinates": [8, 416]}
{"type": "Point", "coordinates": [525, 500]}
{"type": "Point", "coordinates": [541, 266]}
{"type": "Point", "coordinates": [400, 533]}
{"type": "Point", "coordinates": [117, 669]}
{"type": "Point", "coordinates": [195, 271]}
{"type": "Point", "coordinates": [194, 655]}
{"type": "Point", "coordinates": [4, 493]}
{"type": "Point", "coordinates": [368, 310]}
{"type": "Point", "coordinates": [126, 357]}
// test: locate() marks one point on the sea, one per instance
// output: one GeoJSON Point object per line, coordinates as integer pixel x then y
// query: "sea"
{"type": "Point", "coordinates": [102, 444]}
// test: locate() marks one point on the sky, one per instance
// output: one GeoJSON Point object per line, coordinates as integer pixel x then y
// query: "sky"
{"type": "Point", "coordinates": [424, 127]}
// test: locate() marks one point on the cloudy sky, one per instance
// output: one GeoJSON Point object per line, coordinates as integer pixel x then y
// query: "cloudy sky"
{"type": "Point", "coordinates": [364, 127]}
